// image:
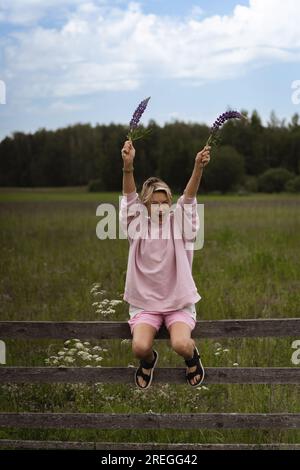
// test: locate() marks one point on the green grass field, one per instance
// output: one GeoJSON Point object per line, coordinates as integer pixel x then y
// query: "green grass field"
{"type": "Point", "coordinates": [249, 267]}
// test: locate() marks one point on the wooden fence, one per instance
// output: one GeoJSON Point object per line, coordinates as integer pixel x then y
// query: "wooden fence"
{"type": "Point", "coordinates": [284, 327]}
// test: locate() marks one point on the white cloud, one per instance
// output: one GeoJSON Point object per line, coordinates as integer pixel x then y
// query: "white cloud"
{"type": "Point", "coordinates": [58, 106]}
{"type": "Point", "coordinates": [105, 47]}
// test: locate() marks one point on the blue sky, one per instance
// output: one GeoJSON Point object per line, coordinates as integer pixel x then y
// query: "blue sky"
{"type": "Point", "coordinates": [69, 61]}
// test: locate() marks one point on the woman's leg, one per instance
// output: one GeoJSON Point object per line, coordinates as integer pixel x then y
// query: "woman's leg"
{"type": "Point", "coordinates": [183, 344]}
{"type": "Point", "coordinates": [142, 345]}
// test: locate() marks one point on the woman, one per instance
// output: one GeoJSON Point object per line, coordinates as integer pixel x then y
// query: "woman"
{"type": "Point", "coordinates": [159, 284]}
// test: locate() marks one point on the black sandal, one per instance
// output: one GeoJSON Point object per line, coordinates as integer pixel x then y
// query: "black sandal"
{"type": "Point", "coordinates": [194, 361]}
{"type": "Point", "coordinates": [146, 365]}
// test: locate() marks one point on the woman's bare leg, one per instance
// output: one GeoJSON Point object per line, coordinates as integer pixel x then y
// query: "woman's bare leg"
{"type": "Point", "coordinates": [183, 344]}
{"type": "Point", "coordinates": [142, 345]}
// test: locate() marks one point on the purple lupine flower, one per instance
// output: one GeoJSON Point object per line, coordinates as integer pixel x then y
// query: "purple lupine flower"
{"type": "Point", "coordinates": [134, 132]}
{"type": "Point", "coordinates": [138, 113]}
{"type": "Point", "coordinates": [219, 122]}
{"type": "Point", "coordinates": [224, 117]}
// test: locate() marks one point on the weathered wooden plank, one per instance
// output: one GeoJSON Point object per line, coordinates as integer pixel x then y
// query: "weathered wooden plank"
{"type": "Point", "coordinates": [196, 446]}
{"type": "Point", "coordinates": [279, 327]}
{"type": "Point", "coordinates": [30, 444]}
{"type": "Point", "coordinates": [213, 375]}
{"type": "Point", "coordinates": [152, 420]}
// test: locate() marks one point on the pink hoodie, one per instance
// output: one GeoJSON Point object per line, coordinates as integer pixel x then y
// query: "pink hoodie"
{"type": "Point", "coordinates": [159, 271]}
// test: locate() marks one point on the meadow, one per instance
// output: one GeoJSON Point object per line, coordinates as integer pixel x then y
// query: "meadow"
{"type": "Point", "coordinates": [53, 267]}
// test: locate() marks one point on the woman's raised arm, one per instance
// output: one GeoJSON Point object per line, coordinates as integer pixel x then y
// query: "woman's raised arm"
{"type": "Point", "coordinates": [201, 160]}
{"type": "Point", "coordinates": [128, 154]}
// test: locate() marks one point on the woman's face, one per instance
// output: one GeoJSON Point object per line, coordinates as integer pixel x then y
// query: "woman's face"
{"type": "Point", "coordinates": [158, 206]}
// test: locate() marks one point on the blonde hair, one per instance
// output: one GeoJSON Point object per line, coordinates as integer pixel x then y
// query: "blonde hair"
{"type": "Point", "coordinates": [152, 184]}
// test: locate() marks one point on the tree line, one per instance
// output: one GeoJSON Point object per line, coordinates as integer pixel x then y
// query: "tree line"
{"type": "Point", "coordinates": [83, 154]}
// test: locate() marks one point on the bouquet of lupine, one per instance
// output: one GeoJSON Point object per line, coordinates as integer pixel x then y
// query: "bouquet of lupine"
{"type": "Point", "coordinates": [214, 137]}
{"type": "Point", "coordinates": [136, 132]}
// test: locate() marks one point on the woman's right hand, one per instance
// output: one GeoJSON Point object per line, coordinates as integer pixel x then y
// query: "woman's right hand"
{"type": "Point", "coordinates": [128, 152]}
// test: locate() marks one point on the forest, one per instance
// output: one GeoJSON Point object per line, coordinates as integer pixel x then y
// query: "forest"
{"type": "Point", "coordinates": [250, 157]}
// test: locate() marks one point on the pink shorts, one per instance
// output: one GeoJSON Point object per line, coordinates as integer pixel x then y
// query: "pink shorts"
{"type": "Point", "coordinates": [156, 319]}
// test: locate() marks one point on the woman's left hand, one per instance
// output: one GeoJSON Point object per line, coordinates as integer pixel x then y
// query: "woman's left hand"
{"type": "Point", "coordinates": [203, 157]}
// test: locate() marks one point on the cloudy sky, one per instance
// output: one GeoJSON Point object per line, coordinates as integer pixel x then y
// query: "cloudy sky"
{"type": "Point", "coordinates": [69, 61]}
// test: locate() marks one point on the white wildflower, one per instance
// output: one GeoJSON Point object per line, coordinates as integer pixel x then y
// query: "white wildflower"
{"type": "Point", "coordinates": [94, 288]}
{"type": "Point", "coordinates": [69, 359]}
{"type": "Point", "coordinates": [115, 302]}
{"type": "Point", "coordinates": [85, 356]}
{"type": "Point", "coordinates": [72, 351]}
